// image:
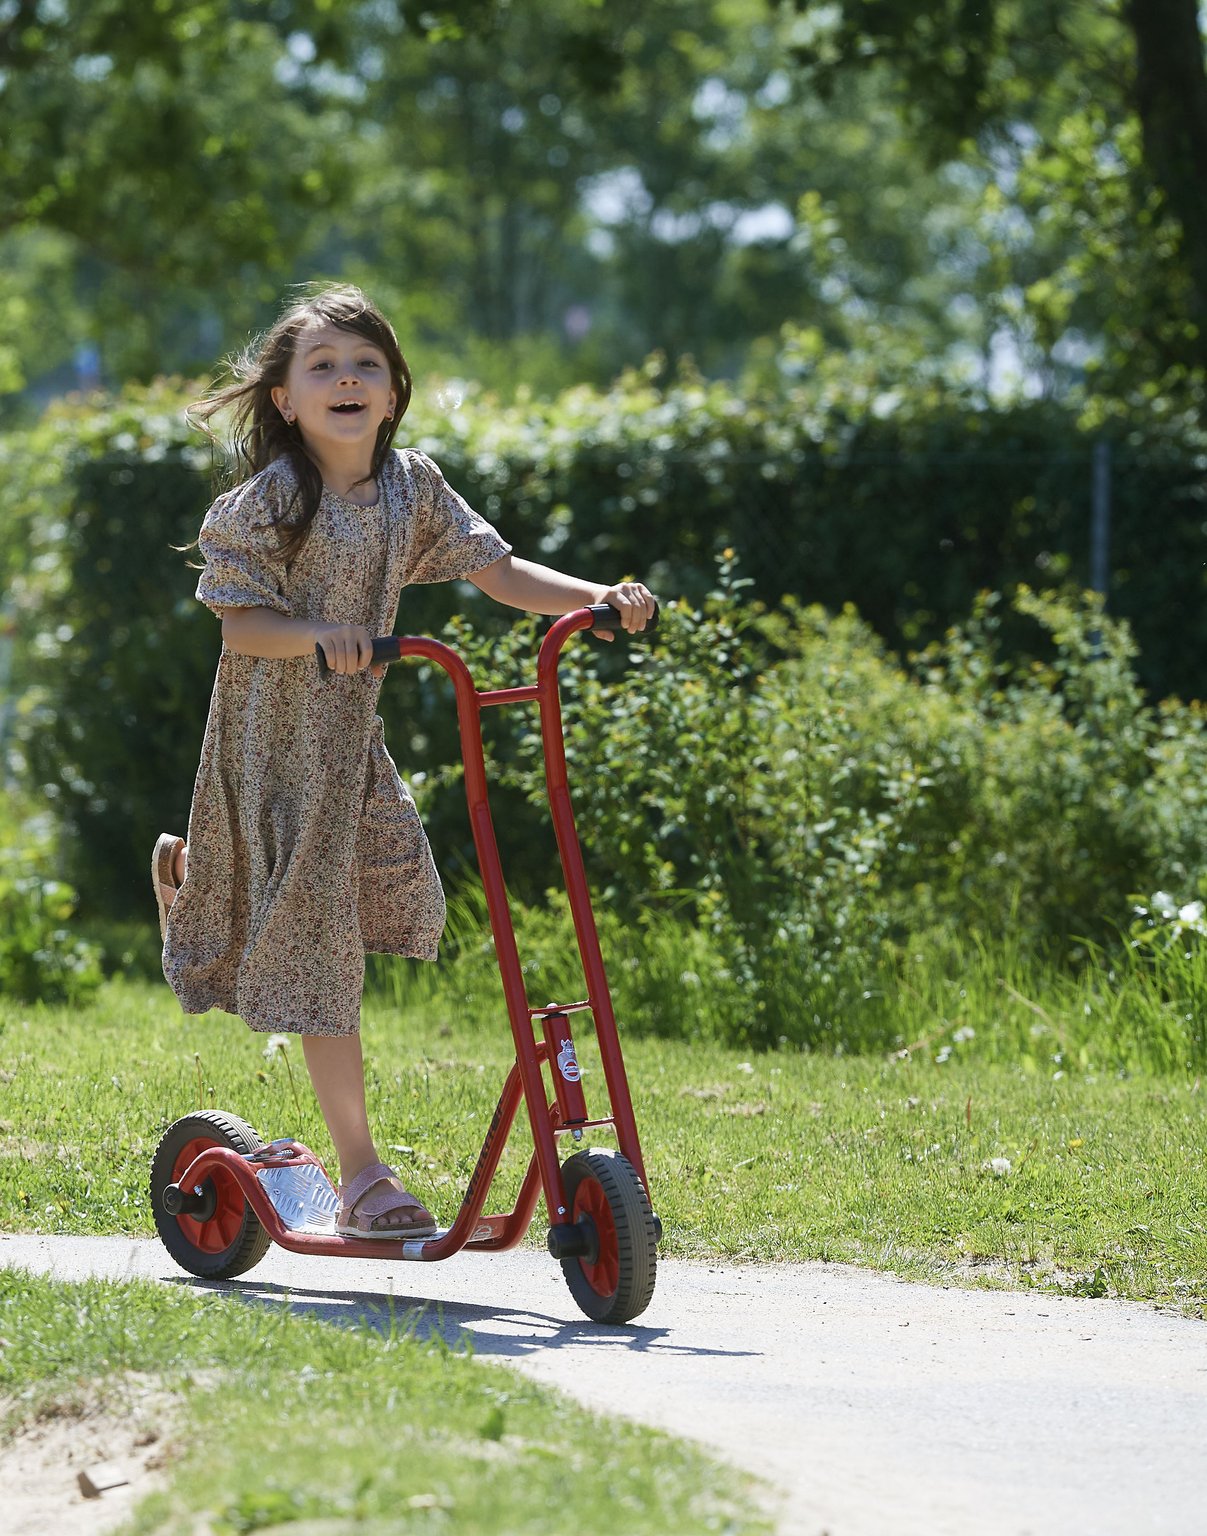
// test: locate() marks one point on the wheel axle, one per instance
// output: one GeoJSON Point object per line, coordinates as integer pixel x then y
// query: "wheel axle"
{"type": "Point", "coordinates": [573, 1240]}
{"type": "Point", "coordinates": [199, 1204]}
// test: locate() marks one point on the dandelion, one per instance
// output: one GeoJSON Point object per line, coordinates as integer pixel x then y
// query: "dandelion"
{"type": "Point", "coordinates": [966, 1032]}
{"type": "Point", "coordinates": [944, 1055]}
{"type": "Point", "coordinates": [999, 1167]}
{"type": "Point", "coordinates": [280, 1043]}
{"type": "Point", "coordinates": [1190, 919]}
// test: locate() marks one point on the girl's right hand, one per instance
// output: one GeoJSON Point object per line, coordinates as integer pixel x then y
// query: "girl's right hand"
{"type": "Point", "coordinates": [347, 647]}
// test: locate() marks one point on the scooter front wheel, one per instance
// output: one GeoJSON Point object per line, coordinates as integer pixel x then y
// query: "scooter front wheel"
{"type": "Point", "coordinates": [614, 1280]}
{"type": "Point", "coordinates": [222, 1236]}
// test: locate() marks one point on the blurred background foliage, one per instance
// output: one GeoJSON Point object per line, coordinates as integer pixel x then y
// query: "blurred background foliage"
{"type": "Point", "coordinates": [814, 314]}
{"type": "Point", "coordinates": [546, 191]}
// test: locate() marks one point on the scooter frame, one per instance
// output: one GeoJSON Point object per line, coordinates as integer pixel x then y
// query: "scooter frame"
{"type": "Point", "coordinates": [549, 1119]}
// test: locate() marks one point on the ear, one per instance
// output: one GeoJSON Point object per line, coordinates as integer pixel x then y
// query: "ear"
{"type": "Point", "coordinates": [280, 398]}
{"type": "Point", "coordinates": [392, 406]}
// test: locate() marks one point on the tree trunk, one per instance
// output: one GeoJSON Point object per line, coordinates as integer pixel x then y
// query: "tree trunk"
{"type": "Point", "coordinates": [1171, 100]}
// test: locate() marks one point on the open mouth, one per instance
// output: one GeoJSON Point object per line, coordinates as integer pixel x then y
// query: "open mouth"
{"type": "Point", "coordinates": [348, 407]}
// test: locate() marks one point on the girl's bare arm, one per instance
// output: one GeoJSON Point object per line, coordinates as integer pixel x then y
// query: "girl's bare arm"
{"type": "Point", "coordinates": [538, 589]}
{"type": "Point", "coordinates": [264, 632]}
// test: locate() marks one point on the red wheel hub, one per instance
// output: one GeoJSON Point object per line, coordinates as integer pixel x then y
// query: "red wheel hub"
{"type": "Point", "coordinates": [218, 1233]}
{"type": "Point", "coordinates": [604, 1275]}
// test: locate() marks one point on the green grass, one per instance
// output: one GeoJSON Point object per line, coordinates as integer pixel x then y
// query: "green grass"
{"type": "Point", "coordinates": [281, 1418]}
{"type": "Point", "coordinates": [959, 1169]}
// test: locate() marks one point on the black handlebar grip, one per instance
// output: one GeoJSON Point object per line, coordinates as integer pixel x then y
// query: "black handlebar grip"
{"type": "Point", "coordinates": [384, 649]}
{"type": "Point", "coordinates": [604, 616]}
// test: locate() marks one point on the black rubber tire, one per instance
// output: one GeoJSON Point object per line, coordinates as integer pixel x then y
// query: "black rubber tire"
{"type": "Point", "coordinates": [248, 1241]}
{"type": "Point", "coordinates": [620, 1288]}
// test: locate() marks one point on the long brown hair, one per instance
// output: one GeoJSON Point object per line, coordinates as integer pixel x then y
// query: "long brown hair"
{"type": "Point", "coordinates": [258, 434]}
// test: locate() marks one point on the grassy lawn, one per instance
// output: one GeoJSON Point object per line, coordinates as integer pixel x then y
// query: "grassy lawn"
{"type": "Point", "coordinates": [946, 1170]}
{"type": "Point", "coordinates": [280, 1419]}
{"type": "Point", "coordinates": [937, 1165]}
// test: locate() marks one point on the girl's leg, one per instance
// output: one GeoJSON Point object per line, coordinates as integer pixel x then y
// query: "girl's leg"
{"type": "Point", "coordinates": [337, 1071]}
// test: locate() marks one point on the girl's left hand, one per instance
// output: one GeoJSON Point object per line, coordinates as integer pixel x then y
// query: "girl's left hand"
{"type": "Point", "coordinates": [635, 604]}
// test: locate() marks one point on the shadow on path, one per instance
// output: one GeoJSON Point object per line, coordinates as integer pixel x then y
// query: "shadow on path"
{"type": "Point", "coordinates": [460, 1324]}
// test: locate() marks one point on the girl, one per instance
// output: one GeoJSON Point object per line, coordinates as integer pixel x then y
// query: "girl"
{"type": "Point", "coordinates": [305, 849]}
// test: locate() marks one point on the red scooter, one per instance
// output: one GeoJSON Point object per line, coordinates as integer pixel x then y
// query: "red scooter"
{"type": "Point", "coordinates": [220, 1196]}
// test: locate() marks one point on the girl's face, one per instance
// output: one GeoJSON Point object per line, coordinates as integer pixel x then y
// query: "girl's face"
{"type": "Point", "coordinates": [339, 391]}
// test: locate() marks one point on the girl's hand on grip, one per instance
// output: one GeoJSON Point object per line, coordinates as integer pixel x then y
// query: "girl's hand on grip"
{"type": "Point", "coordinates": [347, 647]}
{"type": "Point", "coordinates": [634, 602]}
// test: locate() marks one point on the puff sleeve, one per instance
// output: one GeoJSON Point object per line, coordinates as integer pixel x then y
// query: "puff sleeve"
{"type": "Point", "coordinates": [243, 564]}
{"type": "Point", "coordinates": [450, 540]}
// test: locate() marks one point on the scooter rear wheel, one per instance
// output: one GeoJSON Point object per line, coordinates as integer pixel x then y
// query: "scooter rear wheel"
{"type": "Point", "coordinates": [225, 1237]}
{"type": "Point", "coordinates": [614, 1280]}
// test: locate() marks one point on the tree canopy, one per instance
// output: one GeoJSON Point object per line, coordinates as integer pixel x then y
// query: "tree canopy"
{"type": "Point", "coordinates": [1088, 126]}
{"type": "Point", "coordinates": [544, 190]}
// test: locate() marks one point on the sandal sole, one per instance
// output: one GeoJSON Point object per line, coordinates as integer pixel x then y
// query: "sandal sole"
{"type": "Point", "coordinates": [390, 1236]}
{"type": "Point", "coordinates": [162, 861]}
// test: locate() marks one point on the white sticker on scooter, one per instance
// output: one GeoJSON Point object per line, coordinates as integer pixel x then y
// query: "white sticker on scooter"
{"type": "Point", "coordinates": [567, 1062]}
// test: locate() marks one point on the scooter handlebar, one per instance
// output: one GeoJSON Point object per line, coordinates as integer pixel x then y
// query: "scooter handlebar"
{"type": "Point", "coordinates": [604, 616]}
{"type": "Point", "coordinates": [386, 648]}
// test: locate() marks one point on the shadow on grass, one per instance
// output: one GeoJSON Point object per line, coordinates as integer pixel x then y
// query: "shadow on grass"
{"type": "Point", "coordinates": [503, 1332]}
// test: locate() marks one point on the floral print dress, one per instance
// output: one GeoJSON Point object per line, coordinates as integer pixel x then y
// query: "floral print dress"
{"type": "Point", "coordinates": [305, 847]}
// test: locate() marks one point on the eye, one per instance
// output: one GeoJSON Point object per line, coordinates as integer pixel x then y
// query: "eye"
{"type": "Point", "coordinates": [369, 362]}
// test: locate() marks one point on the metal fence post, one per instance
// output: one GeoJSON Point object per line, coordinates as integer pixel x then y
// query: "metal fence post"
{"type": "Point", "coordinates": [1100, 520]}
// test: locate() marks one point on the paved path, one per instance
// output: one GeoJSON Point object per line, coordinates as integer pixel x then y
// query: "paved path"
{"type": "Point", "coordinates": [875, 1407]}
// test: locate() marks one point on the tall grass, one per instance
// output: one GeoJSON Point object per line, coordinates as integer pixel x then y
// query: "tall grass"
{"type": "Point", "coordinates": [1140, 1007]}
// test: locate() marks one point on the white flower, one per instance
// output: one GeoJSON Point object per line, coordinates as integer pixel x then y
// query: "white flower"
{"type": "Point", "coordinates": [999, 1167]}
{"type": "Point", "coordinates": [965, 1033]}
{"type": "Point", "coordinates": [275, 1043]}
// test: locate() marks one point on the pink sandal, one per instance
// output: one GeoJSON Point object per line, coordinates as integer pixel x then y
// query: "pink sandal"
{"type": "Point", "coordinates": [163, 877]}
{"type": "Point", "coordinates": [358, 1210]}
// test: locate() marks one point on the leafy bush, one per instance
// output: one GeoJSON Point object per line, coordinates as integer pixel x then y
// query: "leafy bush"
{"type": "Point", "coordinates": [1032, 791]}
{"type": "Point", "coordinates": [41, 957]}
{"type": "Point", "coordinates": [816, 811]}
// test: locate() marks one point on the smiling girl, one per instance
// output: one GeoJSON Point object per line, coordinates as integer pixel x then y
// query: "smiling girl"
{"type": "Point", "coordinates": [305, 848]}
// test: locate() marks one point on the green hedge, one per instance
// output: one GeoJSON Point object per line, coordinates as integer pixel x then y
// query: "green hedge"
{"type": "Point", "coordinates": [825, 491]}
